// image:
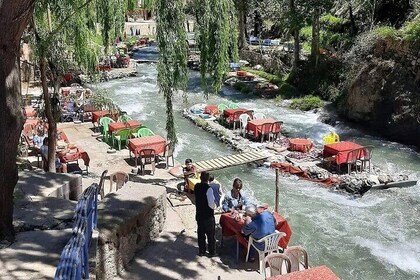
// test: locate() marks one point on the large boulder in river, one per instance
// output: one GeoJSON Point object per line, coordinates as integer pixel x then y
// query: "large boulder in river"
{"type": "Point", "coordinates": [385, 93]}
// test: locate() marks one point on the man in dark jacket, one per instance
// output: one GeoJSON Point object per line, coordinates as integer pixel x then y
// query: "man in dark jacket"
{"type": "Point", "coordinates": [204, 204]}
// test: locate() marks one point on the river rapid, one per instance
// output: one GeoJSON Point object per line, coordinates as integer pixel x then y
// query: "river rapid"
{"type": "Point", "coordinates": [373, 237]}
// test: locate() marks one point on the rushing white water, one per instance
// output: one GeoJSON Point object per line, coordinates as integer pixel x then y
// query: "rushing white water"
{"type": "Point", "coordinates": [373, 237]}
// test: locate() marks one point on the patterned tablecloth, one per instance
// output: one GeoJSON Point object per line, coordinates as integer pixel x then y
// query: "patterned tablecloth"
{"type": "Point", "coordinates": [96, 115]}
{"type": "Point", "coordinates": [341, 150]}
{"type": "Point", "coordinates": [121, 125]}
{"type": "Point", "coordinates": [211, 110]}
{"type": "Point", "coordinates": [155, 142]}
{"type": "Point", "coordinates": [73, 155]}
{"type": "Point", "coordinates": [229, 114]}
{"type": "Point", "coordinates": [313, 273]}
{"type": "Point", "coordinates": [300, 145]}
{"type": "Point", "coordinates": [255, 126]}
{"type": "Point", "coordinates": [232, 227]}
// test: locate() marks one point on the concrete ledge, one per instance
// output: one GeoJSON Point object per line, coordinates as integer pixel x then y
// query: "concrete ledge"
{"type": "Point", "coordinates": [128, 220]}
{"type": "Point", "coordinates": [34, 255]}
{"type": "Point", "coordinates": [38, 184]}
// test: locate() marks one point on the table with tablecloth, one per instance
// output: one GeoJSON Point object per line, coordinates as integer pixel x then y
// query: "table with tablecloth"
{"type": "Point", "coordinates": [155, 142]}
{"type": "Point", "coordinates": [30, 125]}
{"type": "Point", "coordinates": [97, 115]}
{"type": "Point", "coordinates": [211, 110]}
{"type": "Point", "coordinates": [314, 273]}
{"type": "Point", "coordinates": [341, 150]}
{"type": "Point", "coordinates": [192, 181]}
{"type": "Point", "coordinates": [255, 126]}
{"type": "Point", "coordinates": [300, 145]}
{"type": "Point", "coordinates": [113, 127]}
{"type": "Point", "coordinates": [229, 114]}
{"type": "Point", "coordinates": [231, 227]}
{"type": "Point", "coordinates": [74, 154]}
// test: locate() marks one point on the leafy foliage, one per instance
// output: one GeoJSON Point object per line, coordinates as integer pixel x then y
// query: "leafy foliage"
{"type": "Point", "coordinates": [306, 103]}
{"type": "Point", "coordinates": [411, 30]}
{"type": "Point", "coordinates": [217, 39]}
{"type": "Point", "coordinates": [172, 65]}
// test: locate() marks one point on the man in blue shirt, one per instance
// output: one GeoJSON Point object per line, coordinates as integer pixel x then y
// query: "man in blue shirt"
{"type": "Point", "coordinates": [258, 225]}
{"type": "Point", "coordinates": [234, 198]}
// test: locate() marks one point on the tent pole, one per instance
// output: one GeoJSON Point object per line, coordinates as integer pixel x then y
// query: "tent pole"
{"type": "Point", "coordinates": [276, 207]}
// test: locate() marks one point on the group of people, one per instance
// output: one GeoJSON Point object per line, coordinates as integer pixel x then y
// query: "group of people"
{"type": "Point", "coordinates": [258, 221]}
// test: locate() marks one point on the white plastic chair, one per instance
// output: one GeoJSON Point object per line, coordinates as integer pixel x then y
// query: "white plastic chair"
{"type": "Point", "coordinates": [259, 116]}
{"type": "Point", "coordinates": [278, 263]}
{"type": "Point", "coordinates": [298, 257]}
{"type": "Point", "coordinates": [270, 245]}
{"type": "Point", "coordinates": [243, 121]}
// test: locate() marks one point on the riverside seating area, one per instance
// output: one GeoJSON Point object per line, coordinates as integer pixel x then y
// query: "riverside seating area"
{"type": "Point", "coordinates": [122, 132]}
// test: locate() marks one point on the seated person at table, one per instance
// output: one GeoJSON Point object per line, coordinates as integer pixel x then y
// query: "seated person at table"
{"type": "Point", "coordinates": [258, 223]}
{"type": "Point", "coordinates": [217, 189]}
{"type": "Point", "coordinates": [233, 198]}
{"type": "Point", "coordinates": [61, 167]}
{"type": "Point", "coordinates": [38, 139]}
{"type": "Point", "coordinates": [189, 171]}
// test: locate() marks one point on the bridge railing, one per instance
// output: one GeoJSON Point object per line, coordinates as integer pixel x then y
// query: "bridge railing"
{"type": "Point", "coordinates": [74, 259]}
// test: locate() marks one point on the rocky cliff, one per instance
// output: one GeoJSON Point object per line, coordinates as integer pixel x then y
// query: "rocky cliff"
{"type": "Point", "coordinates": [385, 93]}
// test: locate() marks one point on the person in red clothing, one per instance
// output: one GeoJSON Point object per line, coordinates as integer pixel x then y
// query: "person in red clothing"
{"type": "Point", "coordinates": [189, 171]}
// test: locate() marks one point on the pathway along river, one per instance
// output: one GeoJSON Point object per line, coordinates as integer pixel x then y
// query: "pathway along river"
{"type": "Point", "coordinates": [373, 237]}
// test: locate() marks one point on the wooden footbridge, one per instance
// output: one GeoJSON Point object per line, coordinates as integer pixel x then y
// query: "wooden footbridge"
{"type": "Point", "coordinates": [228, 161]}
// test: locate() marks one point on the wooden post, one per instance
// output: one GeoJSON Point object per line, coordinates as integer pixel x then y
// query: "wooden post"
{"type": "Point", "coordinates": [276, 207]}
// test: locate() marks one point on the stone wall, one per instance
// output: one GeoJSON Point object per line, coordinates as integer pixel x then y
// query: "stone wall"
{"type": "Point", "coordinates": [128, 220]}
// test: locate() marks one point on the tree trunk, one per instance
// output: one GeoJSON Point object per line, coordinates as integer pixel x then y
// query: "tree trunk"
{"type": "Point", "coordinates": [353, 30]}
{"type": "Point", "coordinates": [14, 17]}
{"type": "Point", "coordinates": [52, 125]}
{"type": "Point", "coordinates": [241, 8]}
{"type": "Point", "coordinates": [315, 37]}
{"type": "Point", "coordinates": [295, 32]}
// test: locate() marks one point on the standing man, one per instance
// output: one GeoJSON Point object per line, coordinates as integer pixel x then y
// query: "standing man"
{"type": "Point", "coordinates": [204, 204]}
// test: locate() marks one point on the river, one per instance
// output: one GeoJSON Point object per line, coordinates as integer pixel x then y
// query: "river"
{"type": "Point", "coordinates": [373, 237]}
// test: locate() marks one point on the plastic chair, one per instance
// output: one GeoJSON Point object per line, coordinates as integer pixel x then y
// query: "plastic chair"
{"type": "Point", "coordinates": [235, 118]}
{"type": "Point", "coordinates": [120, 136]}
{"type": "Point", "coordinates": [144, 131]}
{"type": "Point", "coordinates": [233, 105]}
{"type": "Point", "coordinates": [298, 257]}
{"type": "Point", "coordinates": [275, 131]}
{"type": "Point", "coordinates": [169, 153]}
{"type": "Point", "coordinates": [124, 118]}
{"type": "Point", "coordinates": [120, 178]}
{"type": "Point", "coordinates": [259, 116]}
{"type": "Point", "coordinates": [353, 159]}
{"type": "Point", "coordinates": [135, 131]}
{"type": "Point", "coordinates": [277, 262]}
{"type": "Point", "coordinates": [331, 138]}
{"type": "Point", "coordinates": [270, 245]}
{"type": "Point", "coordinates": [221, 107]}
{"type": "Point", "coordinates": [147, 156]}
{"type": "Point", "coordinates": [243, 121]}
{"type": "Point", "coordinates": [104, 123]}
{"type": "Point", "coordinates": [266, 130]}
{"type": "Point", "coordinates": [367, 157]}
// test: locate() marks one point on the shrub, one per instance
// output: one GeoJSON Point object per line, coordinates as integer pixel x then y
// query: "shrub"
{"type": "Point", "coordinates": [332, 22]}
{"type": "Point", "coordinates": [305, 33]}
{"type": "Point", "coordinates": [286, 90]}
{"type": "Point", "coordinates": [411, 30]}
{"type": "Point", "coordinates": [387, 32]}
{"type": "Point", "coordinates": [274, 79]}
{"type": "Point", "coordinates": [242, 87]}
{"type": "Point", "coordinates": [306, 103]}
{"type": "Point", "coordinates": [201, 123]}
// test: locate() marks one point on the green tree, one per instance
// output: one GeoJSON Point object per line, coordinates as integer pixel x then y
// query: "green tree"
{"type": "Point", "coordinates": [217, 40]}
{"type": "Point", "coordinates": [172, 64]}
{"type": "Point", "coordinates": [64, 37]}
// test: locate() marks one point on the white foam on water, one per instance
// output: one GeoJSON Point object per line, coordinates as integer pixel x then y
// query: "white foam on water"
{"type": "Point", "coordinates": [404, 255]}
